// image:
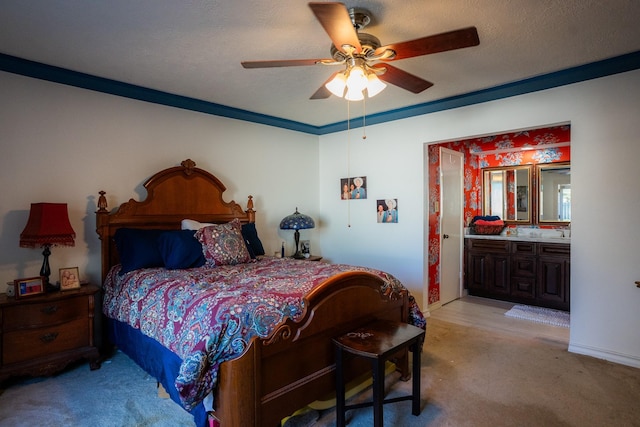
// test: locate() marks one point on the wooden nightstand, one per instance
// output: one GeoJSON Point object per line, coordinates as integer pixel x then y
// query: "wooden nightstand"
{"type": "Point", "coordinates": [42, 334]}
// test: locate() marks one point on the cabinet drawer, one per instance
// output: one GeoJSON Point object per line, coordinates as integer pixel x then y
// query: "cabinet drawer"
{"type": "Point", "coordinates": [523, 248]}
{"type": "Point", "coordinates": [554, 249]}
{"type": "Point", "coordinates": [44, 313]}
{"type": "Point", "coordinates": [24, 345]}
{"type": "Point", "coordinates": [488, 245]}
{"type": "Point", "coordinates": [523, 266]}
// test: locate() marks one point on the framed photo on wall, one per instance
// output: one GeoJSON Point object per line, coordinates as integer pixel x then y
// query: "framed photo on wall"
{"type": "Point", "coordinates": [69, 278]}
{"type": "Point", "coordinates": [29, 286]}
{"type": "Point", "coordinates": [353, 188]}
{"type": "Point", "coordinates": [387, 211]}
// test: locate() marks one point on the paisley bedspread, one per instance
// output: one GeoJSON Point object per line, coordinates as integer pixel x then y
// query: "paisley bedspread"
{"type": "Point", "coordinates": [209, 315]}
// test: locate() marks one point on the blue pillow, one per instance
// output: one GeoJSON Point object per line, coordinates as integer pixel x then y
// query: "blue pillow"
{"type": "Point", "coordinates": [138, 248]}
{"type": "Point", "coordinates": [250, 235]}
{"type": "Point", "coordinates": [180, 249]}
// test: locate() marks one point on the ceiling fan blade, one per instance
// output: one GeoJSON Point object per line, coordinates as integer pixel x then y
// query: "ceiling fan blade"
{"type": "Point", "coordinates": [402, 79]}
{"type": "Point", "coordinates": [451, 40]}
{"type": "Point", "coordinates": [335, 20]}
{"type": "Point", "coordinates": [285, 63]}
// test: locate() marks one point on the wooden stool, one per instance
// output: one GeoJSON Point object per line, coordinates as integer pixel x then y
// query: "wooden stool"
{"type": "Point", "coordinates": [377, 342]}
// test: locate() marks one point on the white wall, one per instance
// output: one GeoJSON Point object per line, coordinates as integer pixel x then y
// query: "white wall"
{"type": "Point", "coordinates": [64, 144]}
{"type": "Point", "coordinates": [606, 200]}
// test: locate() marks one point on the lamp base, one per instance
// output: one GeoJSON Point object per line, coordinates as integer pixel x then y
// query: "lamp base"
{"type": "Point", "coordinates": [298, 254]}
{"type": "Point", "coordinates": [45, 270]}
{"type": "Point", "coordinates": [52, 287]}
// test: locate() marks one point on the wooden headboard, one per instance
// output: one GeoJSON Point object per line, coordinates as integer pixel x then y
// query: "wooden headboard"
{"type": "Point", "coordinates": [173, 194]}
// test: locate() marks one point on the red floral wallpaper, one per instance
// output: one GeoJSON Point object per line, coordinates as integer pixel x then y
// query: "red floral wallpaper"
{"type": "Point", "coordinates": [530, 147]}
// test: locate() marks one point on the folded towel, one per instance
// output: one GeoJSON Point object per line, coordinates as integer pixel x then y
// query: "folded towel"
{"type": "Point", "coordinates": [485, 222]}
{"type": "Point", "coordinates": [485, 218]}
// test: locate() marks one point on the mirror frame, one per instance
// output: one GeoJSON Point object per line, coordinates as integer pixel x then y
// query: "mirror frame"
{"type": "Point", "coordinates": [486, 194]}
{"type": "Point", "coordinates": [539, 169]}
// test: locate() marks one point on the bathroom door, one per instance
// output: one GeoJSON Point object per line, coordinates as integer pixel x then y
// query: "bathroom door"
{"type": "Point", "coordinates": [451, 224]}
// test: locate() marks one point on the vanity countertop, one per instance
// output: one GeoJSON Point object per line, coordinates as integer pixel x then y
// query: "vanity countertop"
{"type": "Point", "coordinates": [566, 240]}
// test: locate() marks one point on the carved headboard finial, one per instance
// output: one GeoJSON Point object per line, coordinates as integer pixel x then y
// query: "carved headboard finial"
{"type": "Point", "coordinates": [102, 202]}
{"type": "Point", "coordinates": [188, 166]}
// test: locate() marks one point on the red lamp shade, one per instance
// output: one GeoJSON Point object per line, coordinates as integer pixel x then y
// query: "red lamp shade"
{"type": "Point", "coordinates": [48, 224]}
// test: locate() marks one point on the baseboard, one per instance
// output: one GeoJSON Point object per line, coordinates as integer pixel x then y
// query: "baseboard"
{"type": "Point", "coordinates": [611, 356]}
{"type": "Point", "coordinates": [433, 306]}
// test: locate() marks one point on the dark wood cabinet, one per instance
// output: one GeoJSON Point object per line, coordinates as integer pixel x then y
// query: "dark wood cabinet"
{"type": "Point", "coordinates": [40, 335]}
{"type": "Point", "coordinates": [488, 266]}
{"type": "Point", "coordinates": [523, 269]}
{"type": "Point", "coordinates": [553, 275]}
{"type": "Point", "coordinates": [534, 273]}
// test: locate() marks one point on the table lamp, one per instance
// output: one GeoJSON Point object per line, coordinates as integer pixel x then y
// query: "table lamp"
{"type": "Point", "coordinates": [48, 225]}
{"type": "Point", "coordinates": [297, 221]}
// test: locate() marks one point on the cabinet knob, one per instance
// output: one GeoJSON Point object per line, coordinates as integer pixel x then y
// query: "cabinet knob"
{"type": "Point", "coordinates": [445, 236]}
{"type": "Point", "coordinates": [50, 309]}
{"type": "Point", "coordinates": [47, 338]}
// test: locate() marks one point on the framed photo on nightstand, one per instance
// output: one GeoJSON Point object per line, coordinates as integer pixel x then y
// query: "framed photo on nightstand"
{"type": "Point", "coordinates": [69, 278]}
{"type": "Point", "coordinates": [29, 286]}
{"type": "Point", "coordinates": [305, 247]}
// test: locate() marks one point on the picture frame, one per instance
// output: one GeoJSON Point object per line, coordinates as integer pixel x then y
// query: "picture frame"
{"type": "Point", "coordinates": [354, 188]}
{"type": "Point", "coordinates": [29, 286]}
{"type": "Point", "coordinates": [387, 211]}
{"type": "Point", "coordinates": [305, 247]}
{"type": "Point", "coordinates": [69, 278]}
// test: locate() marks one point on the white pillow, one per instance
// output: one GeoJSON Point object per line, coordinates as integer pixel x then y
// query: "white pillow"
{"type": "Point", "coordinates": [190, 224]}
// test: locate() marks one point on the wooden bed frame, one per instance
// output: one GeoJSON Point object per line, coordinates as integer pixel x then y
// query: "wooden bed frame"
{"type": "Point", "coordinates": [295, 365]}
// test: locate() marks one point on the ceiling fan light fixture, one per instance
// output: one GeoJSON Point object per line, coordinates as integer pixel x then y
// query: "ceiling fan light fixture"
{"type": "Point", "coordinates": [356, 80]}
{"type": "Point", "coordinates": [353, 95]}
{"type": "Point", "coordinates": [374, 85]}
{"type": "Point", "coordinates": [337, 85]}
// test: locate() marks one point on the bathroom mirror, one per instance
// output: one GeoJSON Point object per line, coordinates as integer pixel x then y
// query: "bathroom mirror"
{"type": "Point", "coordinates": [554, 193]}
{"type": "Point", "coordinates": [507, 193]}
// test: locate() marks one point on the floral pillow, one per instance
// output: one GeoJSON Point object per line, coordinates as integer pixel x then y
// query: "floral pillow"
{"type": "Point", "coordinates": [223, 244]}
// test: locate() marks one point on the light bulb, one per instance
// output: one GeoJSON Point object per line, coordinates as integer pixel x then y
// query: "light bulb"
{"type": "Point", "coordinates": [356, 80]}
{"type": "Point", "coordinates": [374, 85]}
{"type": "Point", "coordinates": [337, 84]}
{"type": "Point", "coordinates": [353, 95]}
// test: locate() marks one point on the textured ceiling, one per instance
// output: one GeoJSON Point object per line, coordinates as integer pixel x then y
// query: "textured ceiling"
{"type": "Point", "coordinates": [194, 48]}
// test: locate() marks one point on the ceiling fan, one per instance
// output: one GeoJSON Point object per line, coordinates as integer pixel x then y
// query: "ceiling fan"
{"type": "Point", "coordinates": [366, 61]}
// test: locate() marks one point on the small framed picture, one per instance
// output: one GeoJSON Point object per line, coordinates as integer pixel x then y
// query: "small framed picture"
{"type": "Point", "coordinates": [29, 286]}
{"type": "Point", "coordinates": [305, 247]}
{"type": "Point", "coordinates": [69, 278]}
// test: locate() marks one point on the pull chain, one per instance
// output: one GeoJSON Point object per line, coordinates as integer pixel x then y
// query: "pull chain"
{"type": "Point", "coordinates": [349, 162]}
{"type": "Point", "coordinates": [364, 118]}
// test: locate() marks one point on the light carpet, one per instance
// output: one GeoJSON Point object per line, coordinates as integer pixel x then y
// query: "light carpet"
{"type": "Point", "coordinates": [119, 394]}
{"type": "Point", "coordinates": [540, 315]}
{"type": "Point", "coordinates": [470, 378]}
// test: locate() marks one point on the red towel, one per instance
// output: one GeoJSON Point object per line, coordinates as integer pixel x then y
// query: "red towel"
{"type": "Point", "coordinates": [483, 222]}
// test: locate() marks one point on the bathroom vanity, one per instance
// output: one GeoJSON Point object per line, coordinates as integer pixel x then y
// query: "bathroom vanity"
{"type": "Point", "coordinates": [527, 270]}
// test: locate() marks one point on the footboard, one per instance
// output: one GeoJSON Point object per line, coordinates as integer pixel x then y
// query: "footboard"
{"type": "Point", "coordinates": [295, 365]}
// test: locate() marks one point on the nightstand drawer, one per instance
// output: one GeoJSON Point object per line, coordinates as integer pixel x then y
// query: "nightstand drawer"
{"type": "Point", "coordinates": [24, 345]}
{"type": "Point", "coordinates": [44, 313]}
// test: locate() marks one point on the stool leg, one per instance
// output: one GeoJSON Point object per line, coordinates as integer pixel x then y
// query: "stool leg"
{"type": "Point", "coordinates": [340, 419]}
{"type": "Point", "coordinates": [415, 402]}
{"type": "Point", "coordinates": [378, 392]}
